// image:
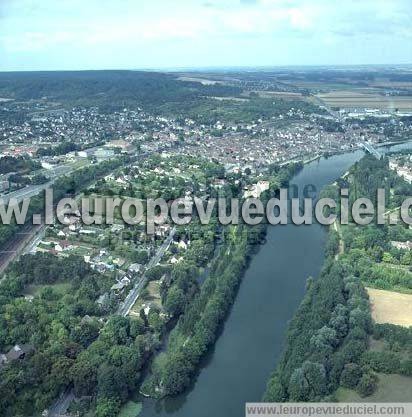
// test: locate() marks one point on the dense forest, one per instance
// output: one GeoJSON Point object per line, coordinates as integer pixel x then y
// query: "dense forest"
{"type": "Point", "coordinates": [325, 339]}
{"type": "Point", "coordinates": [106, 88]}
{"type": "Point", "coordinates": [159, 93]}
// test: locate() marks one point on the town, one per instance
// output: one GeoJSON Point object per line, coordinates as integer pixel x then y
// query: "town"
{"type": "Point", "coordinates": [113, 306]}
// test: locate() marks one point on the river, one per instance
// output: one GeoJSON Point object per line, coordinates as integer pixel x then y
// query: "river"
{"type": "Point", "coordinates": [237, 369]}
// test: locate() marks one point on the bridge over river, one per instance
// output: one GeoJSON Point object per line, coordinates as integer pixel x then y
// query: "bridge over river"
{"type": "Point", "coordinates": [370, 149]}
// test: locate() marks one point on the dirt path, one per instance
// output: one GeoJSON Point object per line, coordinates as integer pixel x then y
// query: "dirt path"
{"type": "Point", "coordinates": [341, 250]}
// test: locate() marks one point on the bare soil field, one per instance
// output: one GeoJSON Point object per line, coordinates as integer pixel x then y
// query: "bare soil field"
{"type": "Point", "coordinates": [359, 100]}
{"type": "Point", "coordinates": [152, 297]}
{"type": "Point", "coordinates": [239, 99]}
{"type": "Point", "coordinates": [279, 94]}
{"type": "Point", "coordinates": [382, 82]}
{"type": "Point", "coordinates": [391, 307]}
{"type": "Point", "coordinates": [203, 81]}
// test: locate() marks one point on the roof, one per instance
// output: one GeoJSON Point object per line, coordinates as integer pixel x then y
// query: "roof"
{"type": "Point", "coordinates": [135, 267]}
{"type": "Point", "coordinates": [118, 286]}
{"type": "Point", "coordinates": [102, 299]}
{"type": "Point", "coordinates": [14, 353]}
{"type": "Point", "coordinates": [18, 352]}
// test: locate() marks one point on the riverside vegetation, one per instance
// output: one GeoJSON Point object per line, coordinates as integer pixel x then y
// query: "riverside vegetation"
{"type": "Point", "coordinates": [329, 339]}
{"type": "Point", "coordinates": [49, 303]}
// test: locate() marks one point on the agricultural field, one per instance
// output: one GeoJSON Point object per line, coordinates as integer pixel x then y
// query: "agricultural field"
{"type": "Point", "coordinates": [352, 99]}
{"type": "Point", "coordinates": [202, 81]}
{"type": "Point", "coordinates": [391, 307]}
{"type": "Point", "coordinates": [284, 95]}
{"type": "Point", "coordinates": [323, 86]}
{"type": "Point", "coordinates": [391, 388]}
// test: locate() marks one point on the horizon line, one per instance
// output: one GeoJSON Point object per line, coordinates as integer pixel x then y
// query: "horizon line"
{"type": "Point", "coordinates": [212, 67]}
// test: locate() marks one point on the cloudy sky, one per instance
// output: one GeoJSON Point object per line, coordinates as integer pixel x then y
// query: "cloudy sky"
{"type": "Point", "coordinates": [98, 34]}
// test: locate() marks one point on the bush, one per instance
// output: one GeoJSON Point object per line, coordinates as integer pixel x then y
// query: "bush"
{"type": "Point", "coordinates": [351, 375]}
{"type": "Point", "coordinates": [367, 385]}
{"type": "Point", "coordinates": [386, 362]}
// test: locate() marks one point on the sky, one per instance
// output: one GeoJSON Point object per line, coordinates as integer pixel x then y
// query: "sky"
{"type": "Point", "coordinates": [167, 34]}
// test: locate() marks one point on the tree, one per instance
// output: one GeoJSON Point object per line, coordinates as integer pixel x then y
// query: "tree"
{"type": "Point", "coordinates": [324, 340]}
{"type": "Point", "coordinates": [85, 333]}
{"type": "Point", "coordinates": [175, 301]}
{"type": "Point", "coordinates": [351, 375]}
{"type": "Point", "coordinates": [367, 385]}
{"type": "Point", "coordinates": [308, 383]}
{"type": "Point", "coordinates": [140, 256]}
{"type": "Point", "coordinates": [176, 373]}
{"type": "Point", "coordinates": [298, 386]}
{"type": "Point", "coordinates": [111, 383]}
{"type": "Point", "coordinates": [107, 407]}
{"type": "Point", "coordinates": [84, 376]}
{"type": "Point", "coordinates": [117, 330]}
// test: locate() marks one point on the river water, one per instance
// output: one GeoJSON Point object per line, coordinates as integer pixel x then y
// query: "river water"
{"type": "Point", "coordinates": [237, 369]}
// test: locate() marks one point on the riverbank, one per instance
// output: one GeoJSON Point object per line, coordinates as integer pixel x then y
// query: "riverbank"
{"type": "Point", "coordinates": [331, 339]}
{"type": "Point", "coordinates": [252, 339]}
{"type": "Point", "coordinates": [253, 334]}
{"type": "Point", "coordinates": [199, 326]}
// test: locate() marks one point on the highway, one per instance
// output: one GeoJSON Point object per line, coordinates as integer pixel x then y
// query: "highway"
{"type": "Point", "coordinates": [32, 190]}
{"type": "Point", "coordinates": [335, 114]}
{"type": "Point", "coordinates": [26, 192]}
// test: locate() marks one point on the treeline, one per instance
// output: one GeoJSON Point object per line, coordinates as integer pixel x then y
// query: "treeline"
{"type": "Point", "coordinates": [108, 371]}
{"type": "Point", "coordinates": [206, 111]}
{"type": "Point", "coordinates": [370, 174]}
{"type": "Point", "coordinates": [17, 164]}
{"type": "Point", "coordinates": [202, 309]}
{"type": "Point", "coordinates": [363, 181]}
{"type": "Point", "coordinates": [54, 323]}
{"type": "Point", "coordinates": [200, 322]}
{"type": "Point", "coordinates": [60, 149]}
{"type": "Point", "coordinates": [66, 147]}
{"type": "Point", "coordinates": [377, 262]}
{"type": "Point", "coordinates": [326, 340]}
{"type": "Point", "coordinates": [72, 347]}
{"type": "Point", "coordinates": [110, 90]}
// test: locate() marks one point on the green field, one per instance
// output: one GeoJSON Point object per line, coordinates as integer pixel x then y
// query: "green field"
{"type": "Point", "coordinates": [61, 288]}
{"type": "Point", "coordinates": [391, 388]}
{"type": "Point", "coordinates": [130, 409]}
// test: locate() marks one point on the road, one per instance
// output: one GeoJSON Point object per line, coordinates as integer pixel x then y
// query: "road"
{"type": "Point", "coordinates": [131, 298]}
{"type": "Point", "coordinates": [27, 239]}
{"type": "Point", "coordinates": [59, 408]}
{"type": "Point", "coordinates": [370, 149]}
{"type": "Point", "coordinates": [335, 114]}
{"type": "Point", "coordinates": [32, 190]}
{"type": "Point", "coordinates": [24, 241]}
